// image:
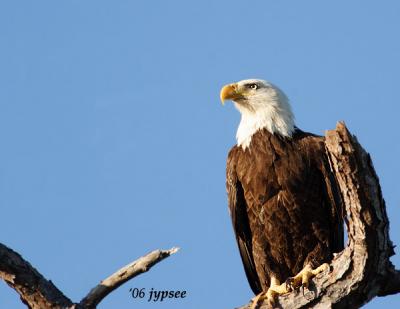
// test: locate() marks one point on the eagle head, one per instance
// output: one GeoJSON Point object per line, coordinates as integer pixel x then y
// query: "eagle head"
{"type": "Point", "coordinates": [262, 105]}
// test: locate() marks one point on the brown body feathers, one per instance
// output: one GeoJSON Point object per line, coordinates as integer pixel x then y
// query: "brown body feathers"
{"type": "Point", "coordinates": [284, 205]}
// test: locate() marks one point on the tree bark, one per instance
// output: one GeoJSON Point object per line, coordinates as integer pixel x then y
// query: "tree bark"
{"type": "Point", "coordinates": [357, 274]}
{"type": "Point", "coordinates": [124, 274]}
{"type": "Point", "coordinates": [38, 293]}
{"type": "Point", "coordinates": [363, 269]}
{"type": "Point", "coordinates": [34, 290]}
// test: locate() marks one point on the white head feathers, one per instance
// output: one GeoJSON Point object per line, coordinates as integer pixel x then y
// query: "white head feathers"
{"type": "Point", "coordinates": [262, 105]}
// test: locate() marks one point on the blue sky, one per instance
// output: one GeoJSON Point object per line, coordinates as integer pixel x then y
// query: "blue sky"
{"type": "Point", "coordinates": [114, 140]}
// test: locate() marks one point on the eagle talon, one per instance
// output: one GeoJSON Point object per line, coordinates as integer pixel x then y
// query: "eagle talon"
{"type": "Point", "coordinates": [302, 279]}
{"type": "Point", "coordinates": [258, 299]}
{"type": "Point", "coordinates": [289, 284]}
{"type": "Point", "coordinates": [272, 293]}
{"type": "Point", "coordinates": [268, 297]}
{"type": "Point", "coordinates": [293, 283]}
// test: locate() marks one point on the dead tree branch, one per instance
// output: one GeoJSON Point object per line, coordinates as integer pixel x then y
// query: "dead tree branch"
{"type": "Point", "coordinates": [35, 291]}
{"type": "Point", "coordinates": [126, 273]}
{"type": "Point", "coordinates": [362, 270]}
{"type": "Point", "coordinates": [38, 293]}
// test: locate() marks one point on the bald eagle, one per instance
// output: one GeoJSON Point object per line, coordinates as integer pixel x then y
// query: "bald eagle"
{"type": "Point", "coordinates": [283, 199]}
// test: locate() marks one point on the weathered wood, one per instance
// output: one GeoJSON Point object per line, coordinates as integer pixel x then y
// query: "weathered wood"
{"type": "Point", "coordinates": [39, 293]}
{"type": "Point", "coordinates": [359, 273]}
{"type": "Point", "coordinates": [126, 273]}
{"type": "Point", "coordinates": [363, 269]}
{"type": "Point", "coordinates": [34, 290]}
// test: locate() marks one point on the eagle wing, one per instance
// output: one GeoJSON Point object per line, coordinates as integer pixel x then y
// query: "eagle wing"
{"type": "Point", "coordinates": [238, 212]}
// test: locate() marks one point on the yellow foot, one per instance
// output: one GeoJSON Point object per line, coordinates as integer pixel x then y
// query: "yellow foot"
{"type": "Point", "coordinates": [302, 279]}
{"type": "Point", "coordinates": [274, 291]}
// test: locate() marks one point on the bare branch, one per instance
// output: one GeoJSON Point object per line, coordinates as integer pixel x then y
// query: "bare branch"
{"type": "Point", "coordinates": [38, 293]}
{"type": "Point", "coordinates": [362, 270]}
{"type": "Point", "coordinates": [392, 285]}
{"type": "Point", "coordinates": [126, 273]}
{"type": "Point", "coordinates": [35, 291]}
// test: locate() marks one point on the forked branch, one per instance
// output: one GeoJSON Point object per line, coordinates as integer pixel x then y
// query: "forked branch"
{"type": "Point", "coordinates": [38, 293]}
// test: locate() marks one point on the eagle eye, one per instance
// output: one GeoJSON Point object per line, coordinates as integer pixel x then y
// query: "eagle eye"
{"type": "Point", "coordinates": [252, 86]}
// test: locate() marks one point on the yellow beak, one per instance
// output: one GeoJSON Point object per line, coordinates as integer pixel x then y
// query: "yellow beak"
{"type": "Point", "coordinates": [229, 92]}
